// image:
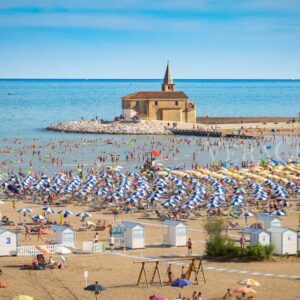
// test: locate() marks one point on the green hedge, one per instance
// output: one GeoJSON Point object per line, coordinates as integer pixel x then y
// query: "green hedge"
{"type": "Point", "coordinates": [221, 245]}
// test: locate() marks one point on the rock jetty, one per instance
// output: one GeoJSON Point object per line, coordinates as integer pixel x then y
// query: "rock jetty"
{"type": "Point", "coordinates": [96, 127]}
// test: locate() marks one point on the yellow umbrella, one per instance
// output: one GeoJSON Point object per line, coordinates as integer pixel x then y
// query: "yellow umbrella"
{"type": "Point", "coordinates": [249, 282]}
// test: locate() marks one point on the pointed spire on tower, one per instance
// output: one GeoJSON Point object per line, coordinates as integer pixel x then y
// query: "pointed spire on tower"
{"type": "Point", "coordinates": [168, 85]}
{"type": "Point", "coordinates": [168, 75]}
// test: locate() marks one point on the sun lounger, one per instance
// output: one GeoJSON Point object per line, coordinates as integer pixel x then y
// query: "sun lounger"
{"type": "Point", "coordinates": [234, 226]}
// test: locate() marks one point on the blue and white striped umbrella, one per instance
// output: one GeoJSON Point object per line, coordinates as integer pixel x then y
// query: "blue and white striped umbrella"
{"type": "Point", "coordinates": [38, 217]}
{"type": "Point", "coordinates": [25, 210]}
{"type": "Point", "coordinates": [65, 212]}
{"type": "Point", "coordinates": [49, 210]}
{"type": "Point", "coordinates": [169, 204]}
{"type": "Point", "coordinates": [83, 215]}
{"type": "Point", "coordinates": [297, 189]}
{"type": "Point", "coordinates": [212, 205]}
{"type": "Point", "coordinates": [187, 206]}
{"type": "Point", "coordinates": [179, 192]}
{"type": "Point", "coordinates": [278, 213]}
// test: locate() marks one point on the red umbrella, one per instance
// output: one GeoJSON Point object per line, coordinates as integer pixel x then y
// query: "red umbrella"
{"type": "Point", "coordinates": [155, 153]}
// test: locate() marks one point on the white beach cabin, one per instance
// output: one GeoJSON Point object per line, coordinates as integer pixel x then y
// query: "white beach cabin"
{"type": "Point", "coordinates": [175, 233]}
{"type": "Point", "coordinates": [65, 236]}
{"type": "Point", "coordinates": [8, 242]}
{"type": "Point", "coordinates": [284, 240]}
{"type": "Point", "coordinates": [134, 235]}
{"type": "Point", "coordinates": [269, 221]}
{"type": "Point", "coordinates": [260, 236]}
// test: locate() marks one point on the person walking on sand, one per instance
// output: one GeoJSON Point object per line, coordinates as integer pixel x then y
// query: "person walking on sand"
{"type": "Point", "coordinates": [189, 245]}
{"type": "Point", "coordinates": [111, 243]}
{"type": "Point", "coordinates": [228, 295]}
{"type": "Point", "coordinates": [169, 273]}
{"type": "Point", "coordinates": [97, 293]}
{"type": "Point", "coordinates": [39, 232]}
{"type": "Point", "coordinates": [242, 241]}
{"type": "Point", "coordinates": [27, 233]}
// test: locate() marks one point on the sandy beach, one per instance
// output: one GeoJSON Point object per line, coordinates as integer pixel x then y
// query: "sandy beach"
{"type": "Point", "coordinates": [117, 272]}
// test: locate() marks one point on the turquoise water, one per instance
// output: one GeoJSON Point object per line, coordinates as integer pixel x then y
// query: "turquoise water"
{"type": "Point", "coordinates": [35, 104]}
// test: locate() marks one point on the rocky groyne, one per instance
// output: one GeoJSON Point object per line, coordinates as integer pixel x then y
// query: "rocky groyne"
{"type": "Point", "coordinates": [97, 127]}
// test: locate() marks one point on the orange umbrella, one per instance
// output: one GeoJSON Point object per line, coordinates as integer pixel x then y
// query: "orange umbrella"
{"type": "Point", "coordinates": [245, 290]}
{"type": "Point", "coordinates": [155, 153]}
{"type": "Point", "coordinates": [42, 249]}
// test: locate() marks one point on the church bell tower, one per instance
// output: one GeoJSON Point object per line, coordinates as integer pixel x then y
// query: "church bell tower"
{"type": "Point", "coordinates": [168, 85]}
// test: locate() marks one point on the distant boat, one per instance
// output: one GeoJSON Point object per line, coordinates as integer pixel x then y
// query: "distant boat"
{"type": "Point", "coordinates": [10, 93]}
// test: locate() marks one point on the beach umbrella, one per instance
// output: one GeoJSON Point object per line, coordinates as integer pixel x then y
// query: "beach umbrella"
{"type": "Point", "coordinates": [62, 250]}
{"type": "Point", "coordinates": [159, 298]}
{"type": "Point", "coordinates": [84, 215]}
{"type": "Point", "coordinates": [245, 290]}
{"type": "Point", "coordinates": [155, 153]}
{"type": "Point", "coordinates": [297, 189]}
{"type": "Point", "coordinates": [169, 204]}
{"type": "Point", "coordinates": [22, 297]}
{"type": "Point", "coordinates": [187, 206]}
{"type": "Point", "coordinates": [38, 217]}
{"type": "Point", "coordinates": [49, 210]}
{"type": "Point", "coordinates": [181, 282]}
{"type": "Point", "coordinates": [212, 205]}
{"type": "Point", "coordinates": [25, 210]}
{"type": "Point", "coordinates": [95, 288]}
{"type": "Point", "coordinates": [246, 214]}
{"type": "Point", "coordinates": [249, 282]}
{"type": "Point", "coordinates": [42, 249]}
{"type": "Point", "coordinates": [65, 212]}
{"type": "Point", "coordinates": [278, 213]}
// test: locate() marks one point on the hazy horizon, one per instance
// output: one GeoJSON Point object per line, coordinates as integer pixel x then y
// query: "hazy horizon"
{"type": "Point", "coordinates": [202, 39]}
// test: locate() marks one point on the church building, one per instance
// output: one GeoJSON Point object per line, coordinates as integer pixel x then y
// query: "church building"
{"type": "Point", "coordinates": [165, 105]}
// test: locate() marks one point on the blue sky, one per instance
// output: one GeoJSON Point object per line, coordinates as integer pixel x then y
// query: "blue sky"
{"type": "Point", "coordinates": [135, 38]}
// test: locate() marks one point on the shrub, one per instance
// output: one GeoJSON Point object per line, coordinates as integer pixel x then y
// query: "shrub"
{"type": "Point", "coordinates": [215, 226]}
{"type": "Point", "coordinates": [269, 249]}
{"type": "Point", "coordinates": [260, 252]}
{"type": "Point", "coordinates": [219, 245]}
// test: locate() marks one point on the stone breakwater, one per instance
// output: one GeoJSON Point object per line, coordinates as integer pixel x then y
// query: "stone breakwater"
{"type": "Point", "coordinates": [96, 127]}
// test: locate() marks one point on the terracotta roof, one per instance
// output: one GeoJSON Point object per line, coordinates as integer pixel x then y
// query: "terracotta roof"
{"type": "Point", "coordinates": [191, 105]}
{"type": "Point", "coordinates": [144, 95]}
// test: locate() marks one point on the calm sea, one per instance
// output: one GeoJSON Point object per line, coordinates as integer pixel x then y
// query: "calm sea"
{"type": "Point", "coordinates": [28, 106]}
